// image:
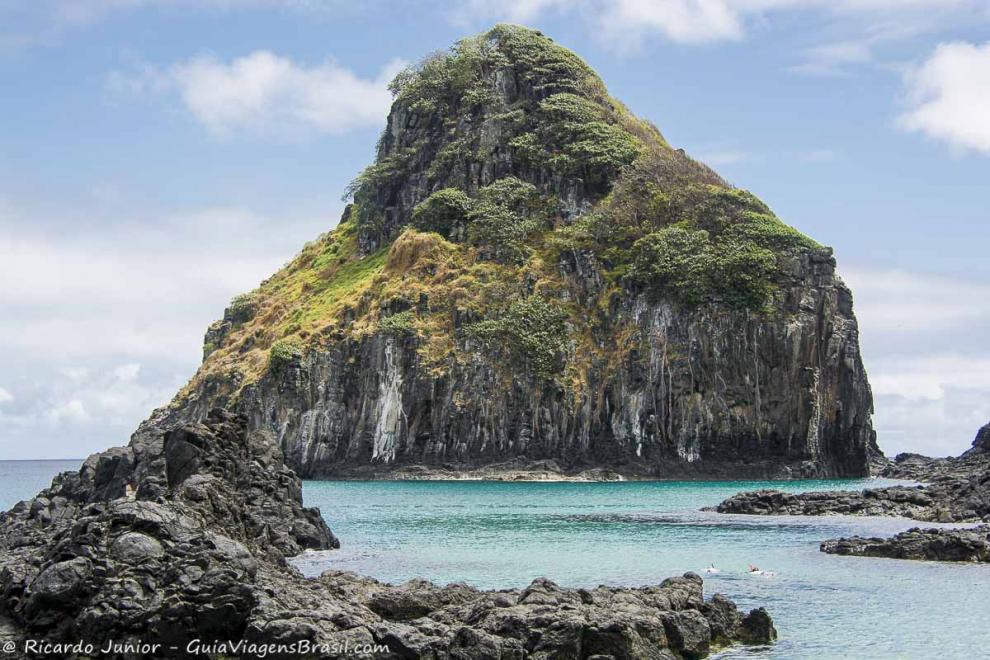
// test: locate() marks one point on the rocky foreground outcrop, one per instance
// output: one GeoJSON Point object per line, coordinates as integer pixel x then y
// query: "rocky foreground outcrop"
{"type": "Point", "coordinates": [939, 544]}
{"type": "Point", "coordinates": [179, 542]}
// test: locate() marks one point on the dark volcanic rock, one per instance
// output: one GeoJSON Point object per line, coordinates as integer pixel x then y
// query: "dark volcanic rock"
{"type": "Point", "coordinates": [910, 502]}
{"type": "Point", "coordinates": [162, 539]}
{"type": "Point", "coordinates": [648, 386]}
{"type": "Point", "coordinates": [957, 490]}
{"type": "Point", "coordinates": [981, 445]}
{"type": "Point", "coordinates": [971, 545]}
{"type": "Point", "coordinates": [948, 499]}
{"type": "Point", "coordinates": [182, 536]}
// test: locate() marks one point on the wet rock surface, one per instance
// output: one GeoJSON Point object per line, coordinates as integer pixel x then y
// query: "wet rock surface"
{"type": "Point", "coordinates": [970, 545]}
{"type": "Point", "coordinates": [956, 490]}
{"type": "Point", "coordinates": [910, 502]}
{"type": "Point", "coordinates": [515, 470]}
{"type": "Point", "coordinates": [182, 538]}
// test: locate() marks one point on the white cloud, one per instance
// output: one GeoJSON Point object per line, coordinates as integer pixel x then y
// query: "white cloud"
{"type": "Point", "coordinates": [75, 373]}
{"type": "Point", "coordinates": [950, 95]}
{"type": "Point", "coordinates": [70, 411]}
{"type": "Point", "coordinates": [265, 93]}
{"type": "Point", "coordinates": [620, 24]}
{"type": "Point", "coordinates": [892, 301]}
{"type": "Point", "coordinates": [43, 22]}
{"type": "Point", "coordinates": [930, 376]}
{"type": "Point", "coordinates": [834, 59]}
{"type": "Point", "coordinates": [940, 426]}
{"type": "Point", "coordinates": [137, 291]}
{"type": "Point", "coordinates": [103, 319]}
{"type": "Point", "coordinates": [627, 24]}
{"type": "Point", "coordinates": [127, 373]}
{"type": "Point", "coordinates": [5, 396]}
{"type": "Point", "coordinates": [684, 21]}
{"type": "Point", "coordinates": [924, 344]}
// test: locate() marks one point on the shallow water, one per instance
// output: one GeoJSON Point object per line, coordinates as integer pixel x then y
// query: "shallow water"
{"type": "Point", "coordinates": [497, 535]}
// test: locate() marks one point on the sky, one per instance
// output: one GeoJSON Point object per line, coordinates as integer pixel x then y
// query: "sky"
{"type": "Point", "coordinates": [158, 157]}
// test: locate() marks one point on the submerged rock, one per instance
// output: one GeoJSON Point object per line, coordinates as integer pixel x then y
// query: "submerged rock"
{"type": "Point", "coordinates": [179, 542]}
{"type": "Point", "coordinates": [971, 545]}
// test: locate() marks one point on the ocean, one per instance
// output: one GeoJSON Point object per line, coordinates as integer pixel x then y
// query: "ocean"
{"type": "Point", "coordinates": [499, 535]}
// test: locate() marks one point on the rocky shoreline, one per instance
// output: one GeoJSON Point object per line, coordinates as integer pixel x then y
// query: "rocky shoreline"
{"type": "Point", "coordinates": [514, 470]}
{"type": "Point", "coordinates": [521, 469]}
{"type": "Point", "coordinates": [955, 490]}
{"type": "Point", "coordinates": [969, 545]}
{"type": "Point", "coordinates": [181, 538]}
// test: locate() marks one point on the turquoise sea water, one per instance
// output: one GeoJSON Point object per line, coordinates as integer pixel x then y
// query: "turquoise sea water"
{"type": "Point", "coordinates": [497, 535]}
{"type": "Point", "coordinates": [21, 480]}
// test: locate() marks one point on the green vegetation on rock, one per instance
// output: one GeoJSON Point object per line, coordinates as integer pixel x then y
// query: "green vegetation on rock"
{"type": "Point", "coordinates": [241, 308]}
{"type": "Point", "coordinates": [444, 212]}
{"type": "Point", "coordinates": [533, 331]}
{"type": "Point", "coordinates": [506, 214]}
{"type": "Point", "coordinates": [399, 323]}
{"type": "Point", "coordinates": [575, 136]}
{"type": "Point", "coordinates": [283, 353]}
{"type": "Point", "coordinates": [513, 204]}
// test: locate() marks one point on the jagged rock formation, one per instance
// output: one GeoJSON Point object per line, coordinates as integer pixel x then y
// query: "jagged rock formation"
{"type": "Point", "coordinates": [981, 445]}
{"type": "Point", "coordinates": [530, 273]}
{"type": "Point", "coordinates": [971, 545]}
{"type": "Point", "coordinates": [956, 490]}
{"type": "Point", "coordinates": [176, 545]}
{"type": "Point", "coordinates": [906, 501]}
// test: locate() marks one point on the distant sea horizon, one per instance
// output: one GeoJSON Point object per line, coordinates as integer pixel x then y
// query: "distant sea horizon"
{"type": "Point", "coordinates": [22, 479]}
{"type": "Point", "coordinates": [38, 460]}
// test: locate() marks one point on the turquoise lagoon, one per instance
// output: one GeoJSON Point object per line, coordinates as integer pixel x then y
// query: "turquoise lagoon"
{"type": "Point", "coordinates": [500, 535]}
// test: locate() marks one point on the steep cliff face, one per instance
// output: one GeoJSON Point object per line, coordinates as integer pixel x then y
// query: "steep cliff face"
{"type": "Point", "coordinates": [527, 271]}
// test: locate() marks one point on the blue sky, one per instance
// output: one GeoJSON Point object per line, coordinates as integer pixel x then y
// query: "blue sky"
{"type": "Point", "coordinates": [158, 157]}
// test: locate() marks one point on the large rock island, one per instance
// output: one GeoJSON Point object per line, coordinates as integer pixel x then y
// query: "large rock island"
{"type": "Point", "coordinates": [530, 274]}
{"type": "Point", "coordinates": [176, 545]}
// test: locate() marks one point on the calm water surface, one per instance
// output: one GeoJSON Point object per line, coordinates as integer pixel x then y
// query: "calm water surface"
{"type": "Point", "coordinates": [21, 480]}
{"type": "Point", "coordinates": [497, 535]}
